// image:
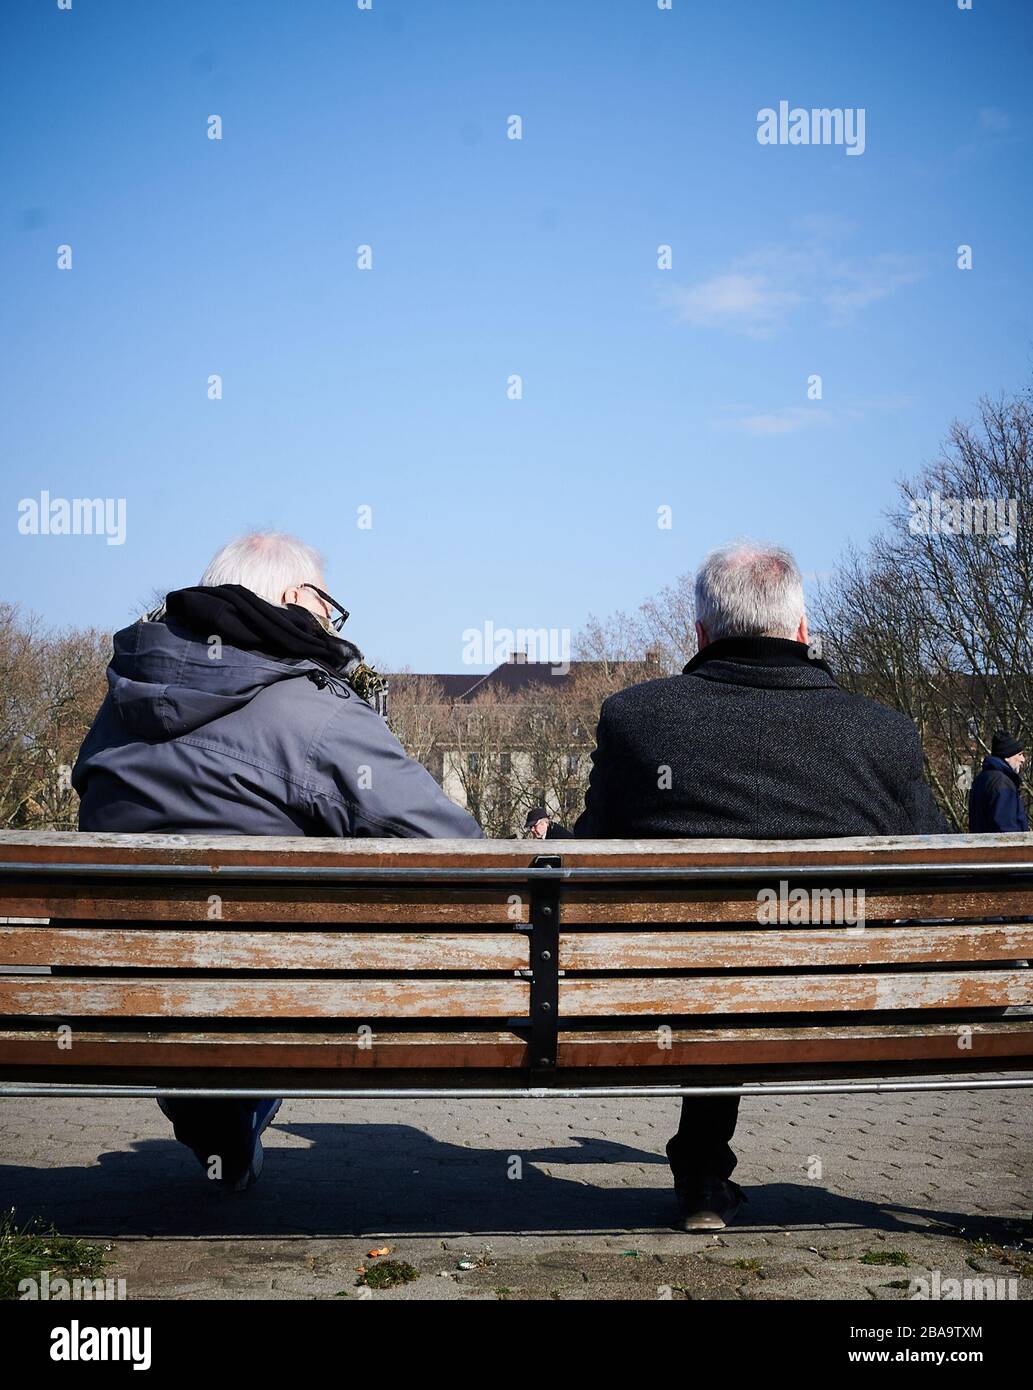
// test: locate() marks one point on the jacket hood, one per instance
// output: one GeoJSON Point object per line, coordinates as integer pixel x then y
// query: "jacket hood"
{"type": "Point", "coordinates": [165, 681]}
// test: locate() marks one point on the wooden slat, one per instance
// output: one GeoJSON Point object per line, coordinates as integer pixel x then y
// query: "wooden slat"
{"type": "Point", "coordinates": [986, 1045]}
{"type": "Point", "coordinates": [295, 902]}
{"type": "Point", "coordinates": [220, 949]}
{"type": "Point", "coordinates": [950, 851]}
{"type": "Point", "coordinates": [91, 1047]}
{"type": "Point", "coordinates": [409, 904]}
{"type": "Point", "coordinates": [803, 947]}
{"type": "Point", "coordinates": [65, 997]}
{"type": "Point", "coordinates": [654, 904]}
{"type": "Point", "coordinates": [749, 994]}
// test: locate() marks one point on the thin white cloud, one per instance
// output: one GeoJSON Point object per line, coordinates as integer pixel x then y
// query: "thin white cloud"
{"type": "Point", "coordinates": [737, 300]}
{"type": "Point", "coordinates": [790, 419]}
{"type": "Point", "coordinates": [994, 119]}
{"type": "Point", "coordinates": [786, 420]}
{"type": "Point", "coordinates": [855, 285]}
{"type": "Point", "coordinates": [759, 293]}
{"type": "Point", "coordinates": [993, 131]}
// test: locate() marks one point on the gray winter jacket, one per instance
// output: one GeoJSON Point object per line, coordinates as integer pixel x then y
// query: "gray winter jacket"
{"type": "Point", "coordinates": [246, 745]}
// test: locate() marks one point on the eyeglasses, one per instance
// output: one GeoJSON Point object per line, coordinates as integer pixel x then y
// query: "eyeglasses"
{"type": "Point", "coordinates": [342, 613]}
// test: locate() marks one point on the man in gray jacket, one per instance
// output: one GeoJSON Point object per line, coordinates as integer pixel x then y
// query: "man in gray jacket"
{"type": "Point", "coordinates": [238, 709]}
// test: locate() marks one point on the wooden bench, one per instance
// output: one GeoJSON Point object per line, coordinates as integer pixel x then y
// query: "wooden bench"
{"type": "Point", "coordinates": [323, 967]}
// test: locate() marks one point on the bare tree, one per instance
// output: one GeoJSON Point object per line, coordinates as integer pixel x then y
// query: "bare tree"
{"type": "Point", "coordinates": [482, 741]}
{"type": "Point", "coordinates": [934, 617]}
{"type": "Point", "coordinates": [418, 717]}
{"type": "Point", "coordinates": [660, 634]}
{"type": "Point", "coordinates": [51, 686]}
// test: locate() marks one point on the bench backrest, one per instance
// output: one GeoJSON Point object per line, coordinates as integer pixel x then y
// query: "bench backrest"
{"type": "Point", "coordinates": [174, 954]}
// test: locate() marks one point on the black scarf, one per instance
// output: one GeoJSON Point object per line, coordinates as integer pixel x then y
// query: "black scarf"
{"type": "Point", "coordinates": [245, 621]}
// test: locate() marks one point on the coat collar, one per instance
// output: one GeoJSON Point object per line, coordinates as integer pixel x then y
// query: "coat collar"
{"type": "Point", "coordinates": [763, 661]}
{"type": "Point", "coordinates": [992, 764]}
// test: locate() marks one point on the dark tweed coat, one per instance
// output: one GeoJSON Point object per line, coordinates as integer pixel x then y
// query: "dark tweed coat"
{"type": "Point", "coordinates": [754, 740]}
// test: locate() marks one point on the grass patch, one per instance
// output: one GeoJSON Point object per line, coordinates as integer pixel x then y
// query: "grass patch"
{"type": "Point", "coordinates": [27, 1251]}
{"type": "Point", "coordinates": [385, 1274]}
{"type": "Point", "coordinates": [751, 1265]}
{"type": "Point", "coordinates": [885, 1257]}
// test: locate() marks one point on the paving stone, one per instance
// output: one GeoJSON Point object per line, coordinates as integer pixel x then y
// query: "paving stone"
{"type": "Point", "coordinates": [920, 1175]}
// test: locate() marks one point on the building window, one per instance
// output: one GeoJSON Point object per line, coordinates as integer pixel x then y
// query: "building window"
{"type": "Point", "coordinates": [572, 763]}
{"type": "Point", "coordinates": [506, 763]}
{"type": "Point", "coordinates": [473, 762]}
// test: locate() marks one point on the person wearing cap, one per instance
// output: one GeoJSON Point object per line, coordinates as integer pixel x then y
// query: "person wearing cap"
{"type": "Point", "coordinates": [540, 826]}
{"type": "Point", "coordinates": [994, 802]}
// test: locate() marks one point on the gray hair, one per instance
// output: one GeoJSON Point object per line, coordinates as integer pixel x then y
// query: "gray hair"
{"type": "Point", "coordinates": [267, 563]}
{"type": "Point", "coordinates": [749, 590]}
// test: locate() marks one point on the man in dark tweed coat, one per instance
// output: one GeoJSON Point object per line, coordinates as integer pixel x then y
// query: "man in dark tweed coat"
{"type": "Point", "coordinates": [754, 740]}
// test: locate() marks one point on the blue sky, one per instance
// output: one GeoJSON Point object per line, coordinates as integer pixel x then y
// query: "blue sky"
{"type": "Point", "coordinates": [386, 388]}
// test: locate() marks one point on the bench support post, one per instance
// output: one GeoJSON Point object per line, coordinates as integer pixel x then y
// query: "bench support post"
{"type": "Point", "coordinates": [545, 980]}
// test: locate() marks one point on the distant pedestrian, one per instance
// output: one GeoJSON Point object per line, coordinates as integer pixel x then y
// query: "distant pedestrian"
{"type": "Point", "coordinates": [994, 802]}
{"type": "Point", "coordinates": [541, 826]}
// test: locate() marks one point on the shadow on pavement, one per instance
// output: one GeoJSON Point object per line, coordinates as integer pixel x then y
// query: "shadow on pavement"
{"type": "Point", "coordinates": [359, 1179]}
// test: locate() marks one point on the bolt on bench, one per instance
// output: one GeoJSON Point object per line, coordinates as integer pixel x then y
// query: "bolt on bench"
{"type": "Point", "coordinates": [233, 966]}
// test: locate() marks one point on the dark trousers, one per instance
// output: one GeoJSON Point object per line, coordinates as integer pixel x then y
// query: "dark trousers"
{"type": "Point", "coordinates": [702, 1147]}
{"type": "Point", "coordinates": [217, 1128]}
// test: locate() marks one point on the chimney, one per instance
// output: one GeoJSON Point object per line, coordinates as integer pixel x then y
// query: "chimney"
{"type": "Point", "coordinates": [518, 658]}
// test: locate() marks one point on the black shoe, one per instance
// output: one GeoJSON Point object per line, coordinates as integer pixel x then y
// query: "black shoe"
{"type": "Point", "coordinates": [709, 1205]}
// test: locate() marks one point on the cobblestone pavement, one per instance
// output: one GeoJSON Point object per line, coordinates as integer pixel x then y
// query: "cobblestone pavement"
{"type": "Point", "coordinates": [564, 1199]}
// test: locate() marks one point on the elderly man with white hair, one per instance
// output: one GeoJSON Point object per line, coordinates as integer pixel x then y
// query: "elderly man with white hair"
{"type": "Point", "coordinates": [754, 740]}
{"type": "Point", "coordinates": [237, 708]}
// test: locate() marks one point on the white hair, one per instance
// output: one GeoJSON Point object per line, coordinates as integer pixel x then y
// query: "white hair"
{"type": "Point", "coordinates": [749, 590]}
{"type": "Point", "coordinates": [267, 563]}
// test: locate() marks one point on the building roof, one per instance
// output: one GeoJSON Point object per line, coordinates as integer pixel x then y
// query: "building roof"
{"type": "Point", "coordinates": [510, 678]}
